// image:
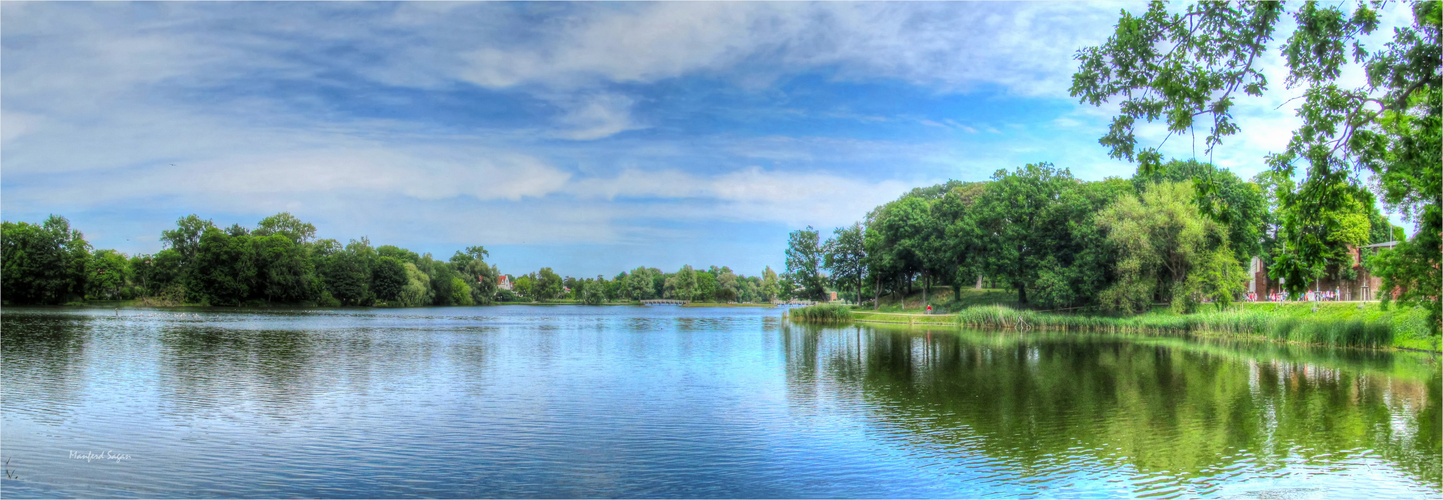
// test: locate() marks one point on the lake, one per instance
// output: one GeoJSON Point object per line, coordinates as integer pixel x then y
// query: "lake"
{"type": "Point", "coordinates": [664, 401]}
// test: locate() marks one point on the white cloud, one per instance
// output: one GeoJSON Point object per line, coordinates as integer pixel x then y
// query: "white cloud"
{"type": "Point", "coordinates": [1025, 48]}
{"type": "Point", "coordinates": [14, 124]}
{"type": "Point", "coordinates": [597, 116]}
{"type": "Point", "coordinates": [750, 194]}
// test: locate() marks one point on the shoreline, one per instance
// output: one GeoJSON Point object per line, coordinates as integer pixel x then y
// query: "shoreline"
{"type": "Point", "coordinates": [1348, 324]}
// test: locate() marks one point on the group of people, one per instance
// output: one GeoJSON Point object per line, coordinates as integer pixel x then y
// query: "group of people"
{"type": "Point", "coordinates": [1309, 296]}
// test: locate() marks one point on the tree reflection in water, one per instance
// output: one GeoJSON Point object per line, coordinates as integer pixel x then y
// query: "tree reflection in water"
{"type": "Point", "coordinates": [1196, 412]}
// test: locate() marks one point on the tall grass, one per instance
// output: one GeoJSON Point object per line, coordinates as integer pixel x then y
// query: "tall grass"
{"type": "Point", "coordinates": [822, 313]}
{"type": "Point", "coordinates": [1340, 325]}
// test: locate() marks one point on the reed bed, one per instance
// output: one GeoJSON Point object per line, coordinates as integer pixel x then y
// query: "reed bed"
{"type": "Point", "coordinates": [822, 313]}
{"type": "Point", "coordinates": [1324, 329]}
{"type": "Point", "coordinates": [1333, 326]}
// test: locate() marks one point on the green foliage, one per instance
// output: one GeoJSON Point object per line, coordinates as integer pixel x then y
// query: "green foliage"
{"type": "Point", "coordinates": [804, 262]}
{"type": "Point", "coordinates": [844, 254]}
{"type": "Point", "coordinates": [1080, 259]}
{"type": "Point", "coordinates": [1238, 206]}
{"type": "Point", "coordinates": [389, 278]}
{"type": "Point", "coordinates": [1333, 325]}
{"type": "Point", "coordinates": [771, 285]}
{"type": "Point", "coordinates": [288, 226]}
{"type": "Point", "coordinates": [284, 269]}
{"type": "Point", "coordinates": [895, 242]}
{"type": "Point", "coordinates": [706, 286]}
{"type": "Point", "coordinates": [417, 291]}
{"type": "Point", "coordinates": [1161, 238]}
{"type": "Point", "coordinates": [1406, 268]}
{"type": "Point", "coordinates": [1018, 223]}
{"type": "Point", "coordinates": [524, 286]}
{"type": "Point", "coordinates": [481, 278]}
{"type": "Point", "coordinates": [460, 292]}
{"type": "Point", "coordinates": [225, 268]}
{"type": "Point", "coordinates": [727, 287]}
{"type": "Point", "coordinates": [185, 239]}
{"type": "Point", "coordinates": [109, 274]}
{"type": "Point", "coordinates": [639, 284]}
{"type": "Point", "coordinates": [1179, 66]}
{"type": "Point", "coordinates": [682, 285]}
{"type": "Point", "coordinates": [326, 300]}
{"type": "Point", "coordinates": [43, 264]}
{"type": "Point", "coordinates": [592, 294]}
{"type": "Point", "coordinates": [548, 285]}
{"type": "Point", "coordinates": [1217, 278]}
{"type": "Point", "coordinates": [822, 313]}
{"type": "Point", "coordinates": [346, 274]}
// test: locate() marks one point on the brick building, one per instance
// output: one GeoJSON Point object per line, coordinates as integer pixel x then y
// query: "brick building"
{"type": "Point", "coordinates": [1364, 286]}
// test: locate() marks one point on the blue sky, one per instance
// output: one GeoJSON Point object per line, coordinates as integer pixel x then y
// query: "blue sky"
{"type": "Point", "coordinates": [591, 138]}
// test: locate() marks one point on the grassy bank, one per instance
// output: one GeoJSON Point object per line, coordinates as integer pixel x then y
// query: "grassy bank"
{"type": "Point", "coordinates": [943, 298]}
{"type": "Point", "coordinates": [1332, 324]}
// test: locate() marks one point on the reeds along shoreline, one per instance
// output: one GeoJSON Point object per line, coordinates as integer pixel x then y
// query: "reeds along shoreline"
{"type": "Point", "coordinates": [822, 313]}
{"type": "Point", "coordinates": [1324, 328]}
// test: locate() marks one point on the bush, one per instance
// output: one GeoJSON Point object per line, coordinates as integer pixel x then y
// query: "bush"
{"type": "Point", "coordinates": [327, 300]}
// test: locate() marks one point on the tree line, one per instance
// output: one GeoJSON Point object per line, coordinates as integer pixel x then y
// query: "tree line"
{"type": "Point", "coordinates": [280, 261]}
{"type": "Point", "coordinates": [714, 284]}
{"type": "Point", "coordinates": [1060, 242]}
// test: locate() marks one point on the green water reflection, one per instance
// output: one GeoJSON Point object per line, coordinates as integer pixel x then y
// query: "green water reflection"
{"type": "Point", "coordinates": [1193, 412]}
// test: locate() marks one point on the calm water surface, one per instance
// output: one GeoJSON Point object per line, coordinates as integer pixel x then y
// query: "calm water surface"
{"type": "Point", "coordinates": [670, 402]}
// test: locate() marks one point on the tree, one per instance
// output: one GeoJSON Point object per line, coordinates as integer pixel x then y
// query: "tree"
{"type": "Point", "coordinates": [1221, 196]}
{"type": "Point", "coordinates": [43, 264]}
{"type": "Point", "coordinates": [727, 286]}
{"type": "Point", "coordinates": [1082, 260]}
{"type": "Point", "coordinates": [771, 286]}
{"type": "Point", "coordinates": [845, 254]}
{"type": "Point", "coordinates": [905, 232]}
{"type": "Point", "coordinates": [804, 262]}
{"type": "Point", "coordinates": [524, 285]}
{"type": "Point", "coordinates": [682, 285]}
{"type": "Point", "coordinates": [284, 271]}
{"type": "Point", "coordinates": [158, 273]}
{"type": "Point", "coordinates": [418, 287]}
{"type": "Point", "coordinates": [1161, 239]}
{"type": "Point", "coordinates": [548, 285]}
{"type": "Point", "coordinates": [1017, 224]}
{"type": "Point", "coordinates": [592, 293]}
{"type": "Point", "coordinates": [185, 238]}
{"type": "Point", "coordinates": [706, 286]}
{"type": "Point", "coordinates": [225, 268]}
{"type": "Point", "coordinates": [1181, 66]}
{"type": "Point", "coordinates": [346, 274]}
{"type": "Point", "coordinates": [441, 274]}
{"type": "Point", "coordinates": [398, 253]}
{"type": "Point", "coordinates": [460, 292]}
{"type": "Point", "coordinates": [109, 275]}
{"type": "Point", "coordinates": [482, 277]}
{"type": "Point", "coordinates": [638, 284]}
{"type": "Point", "coordinates": [286, 225]}
{"type": "Point", "coordinates": [389, 278]}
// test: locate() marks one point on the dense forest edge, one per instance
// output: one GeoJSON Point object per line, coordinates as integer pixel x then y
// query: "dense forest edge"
{"type": "Point", "coordinates": [280, 262]}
